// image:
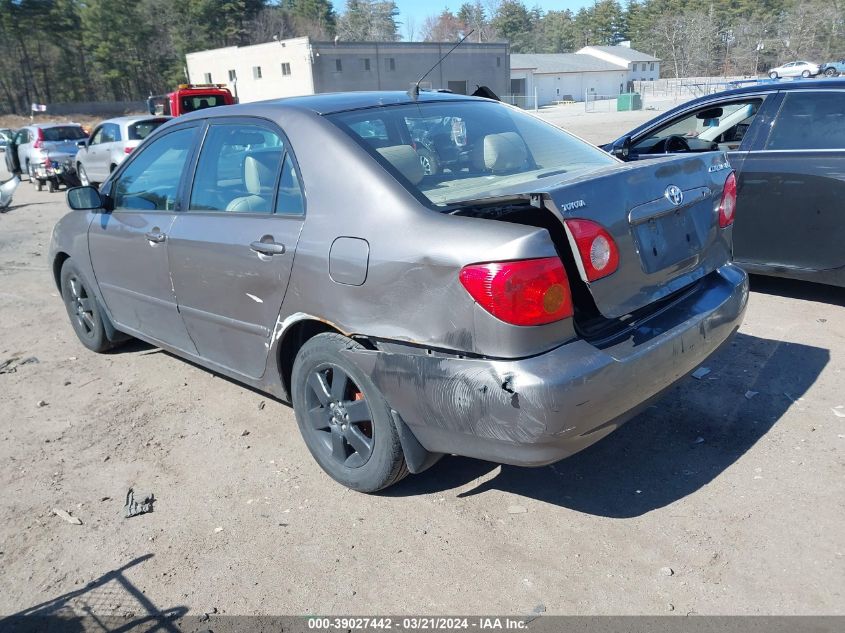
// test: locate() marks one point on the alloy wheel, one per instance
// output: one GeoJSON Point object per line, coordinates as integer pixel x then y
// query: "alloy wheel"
{"type": "Point", "coordinates": [340, 416]}
{"type": "Point", "coordinates": [81, 306]}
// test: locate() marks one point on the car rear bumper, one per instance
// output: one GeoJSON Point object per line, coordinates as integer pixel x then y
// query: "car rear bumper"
{"type": "Point", "coordinates": [539, 410]}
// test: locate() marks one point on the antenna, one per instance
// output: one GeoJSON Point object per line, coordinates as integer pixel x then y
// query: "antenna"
{"type": "Point", "coordinates": [415, 91]}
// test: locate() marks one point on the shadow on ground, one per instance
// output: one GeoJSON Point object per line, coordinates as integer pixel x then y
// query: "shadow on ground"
{"type": "Point", "coordinates": [794, 289]}
{"type": "Point", "coordinates": [681, 443]}
{"type": "Point", "coordinates": [92, 608]}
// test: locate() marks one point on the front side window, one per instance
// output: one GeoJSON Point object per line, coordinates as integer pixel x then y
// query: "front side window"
{"type": "Point", "coordinates": [450, 152]}
{"type": "Point", "coordinates": [810, 120]}
{"type": "Point", "coordinates": [151, 181]}
{"type": "Point", "coordinates": [97, 138]}
{"type": "Point", "coordinates": [237, 169]}
{"type": "Point", "coordinates": [715, 126]}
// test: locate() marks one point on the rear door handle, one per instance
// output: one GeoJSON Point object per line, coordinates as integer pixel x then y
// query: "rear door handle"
{"type": "Point", "coordinates": [268, 248]}
{"type": "Point", "coordinates": [156, 236]}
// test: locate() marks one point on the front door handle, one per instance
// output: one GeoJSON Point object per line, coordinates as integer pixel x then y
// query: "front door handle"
{"type": "Point", "coordinates": [156, 236]}
{"type": "Point", "coordinates": [268, 248]}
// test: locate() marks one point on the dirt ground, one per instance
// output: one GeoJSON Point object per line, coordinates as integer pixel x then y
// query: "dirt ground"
{"type": "Point", "coordinates": [725, 497]}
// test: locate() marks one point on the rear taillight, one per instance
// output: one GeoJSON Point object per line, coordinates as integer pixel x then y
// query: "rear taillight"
{"type": "Point", "coordinates": [727, 207]}
{"type": "Point", "coordinates": [525, 292]}
{"type": "Point", "coordinates": [599, 253]}
{"type": "Point", "coordinates": [39, 142]}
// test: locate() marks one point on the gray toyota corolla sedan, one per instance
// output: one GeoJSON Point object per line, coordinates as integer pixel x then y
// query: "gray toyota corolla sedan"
{"type": "Point", "coordinates": [517, 304]}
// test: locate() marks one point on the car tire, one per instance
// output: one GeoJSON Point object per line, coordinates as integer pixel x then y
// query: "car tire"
{"type": "Point", "coordinates": [343, 417]}
{"type": "Point", "coordinates": [83, 176]}
{"type": "Point", "coordinates": [805, 74]}
{"type": "Point", "coordinates": [83, 309]}
{"type": "Point", "coordinates": [773, 75]}
{"type": "Point", "coordinates": [428, 161]}
{"type": "Point", "coordinates": [39, 186]}
{"type": "Point", "coordinates": [830, 72]}
{"type": "Point", "coordinates": [51, 186]}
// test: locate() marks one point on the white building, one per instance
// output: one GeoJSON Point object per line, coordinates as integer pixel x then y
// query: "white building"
{"type": "Point", "coordinates": [565, 77]}
{"type": "Point", "coordinates": [641, 67]}
{"type": "Point", "coordinates": [301, 66]}
{"type": "Point", "coordinates": [599, 72]}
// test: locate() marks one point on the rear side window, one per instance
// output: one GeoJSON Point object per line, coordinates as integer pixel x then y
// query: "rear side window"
{"type": "Point", "coordinates": [810, 120]}
{"type": "Point", "coordinates": [140, 130]}
{"type": "Point", "coordinates": [64, 133]}
{"type": "Point", "coordinates": [151, 181]}
{"type": "Point", "coordinates": [238, 169]}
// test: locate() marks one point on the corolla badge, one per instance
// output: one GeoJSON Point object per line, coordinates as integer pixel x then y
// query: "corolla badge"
{"type": "Point", "coordinates": [674, 195]}
{"type": "Point", "coordinates": [575, 204]}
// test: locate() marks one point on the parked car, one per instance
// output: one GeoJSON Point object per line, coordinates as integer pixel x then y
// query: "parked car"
{"type": "Point", "coordinates": [795, 69]}
{"type": "Point", "coordinates": [787, 144]}
{"type": "Point", "coordinates": [110, 143]}
{"type": "Point", "coordinates": [41, 144]}
{"type": "Point", "coordinates": [516, 310]}
{"type": "Point", "coordinates": [5, 137]}
{"type": "Point", "coordinates": [833, 69]}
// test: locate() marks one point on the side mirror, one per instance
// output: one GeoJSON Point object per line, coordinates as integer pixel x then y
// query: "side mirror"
{"type": "Point", "coordinates": [81, 144]}
{"type": "Point", "coordinates": [85, 199]}
{"type": "Point", "coordinates": [621, 148]}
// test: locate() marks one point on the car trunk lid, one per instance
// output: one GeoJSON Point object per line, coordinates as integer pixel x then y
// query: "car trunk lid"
{"type": "Point", "coordinates": [663, 217]}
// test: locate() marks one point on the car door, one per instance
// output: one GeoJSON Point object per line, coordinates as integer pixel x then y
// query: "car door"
{"type": "Point", "coordinates": [790, 209]}
{"type": "Point", "coordinates": [13, 163]}
{"type": "Point", "coordinates": [89, 157]}
{"type": "Point", "coordinates": [111, 144]}
{"type": "Point", "coordinates": [23, 140]}
{"type": "Point", "coordinates": [129, 244]}
{"type": "Point", "coordinates": [232, 249]}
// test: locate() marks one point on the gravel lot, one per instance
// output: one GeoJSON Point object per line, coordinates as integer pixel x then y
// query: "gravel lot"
{"type": "Point", "coordinates": [726, 497]}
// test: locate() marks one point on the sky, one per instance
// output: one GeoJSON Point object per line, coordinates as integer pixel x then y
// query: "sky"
{"type": "Point", "coordinates": [419, 10]}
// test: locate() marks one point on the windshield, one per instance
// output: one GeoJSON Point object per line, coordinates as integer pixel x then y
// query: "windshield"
{"type": "Point", "coordinates": [466, 150]}
{"type": "Point", "coordinates": [140, 130]}
{"type": "Point", "coordinates": [64, 133]}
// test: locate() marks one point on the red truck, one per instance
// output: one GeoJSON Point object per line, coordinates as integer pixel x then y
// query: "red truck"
{"type": "Point", "coordinates": [189, 97]}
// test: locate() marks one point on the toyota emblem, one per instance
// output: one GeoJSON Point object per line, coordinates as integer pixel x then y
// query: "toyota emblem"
{"type": "Point", "coordinates": [674, 195]}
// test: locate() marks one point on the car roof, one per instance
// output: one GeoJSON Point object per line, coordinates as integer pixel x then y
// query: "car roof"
{"type": "Point", "coordinates": [333, 102]}
{"type": "Point", "coordinates": [45, 126]}
{"type": "Point", "coordinates": [126, 120]}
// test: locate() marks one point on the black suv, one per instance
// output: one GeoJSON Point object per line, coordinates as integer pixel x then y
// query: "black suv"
{"type": "Point", "coordinates": [786, 142]}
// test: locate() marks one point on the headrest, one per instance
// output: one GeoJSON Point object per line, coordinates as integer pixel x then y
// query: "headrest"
{"type": "Point", "coordinates": [503, 152]}
{"type": "Point", "coordinates": [405, 159]}
{"type": "Point", "coordinates": [260, 171]}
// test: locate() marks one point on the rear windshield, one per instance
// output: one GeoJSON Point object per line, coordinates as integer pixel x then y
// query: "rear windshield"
{"type": "Point", "coordinates": [200, 102]}
{"type": "Point", "coordinates": [140, 130]}
{"type": "Point", "coordinates": [454, 151]}
{"type": "Point", "coordinates": [64, 133]}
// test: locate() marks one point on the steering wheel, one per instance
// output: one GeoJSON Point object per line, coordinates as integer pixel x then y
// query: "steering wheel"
{"type": "Point", "coordinates": [675, 143]}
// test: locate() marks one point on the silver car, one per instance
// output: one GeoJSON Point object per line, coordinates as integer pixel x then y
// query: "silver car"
{"type": "Point", "coordinates": [110, 143]}
{"type": "Point", "coordinates": [515, 307]}
{"type": "Point", "coordinates": [36, 145]}
{"type": "Point", "coordinates": [795, 69]}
